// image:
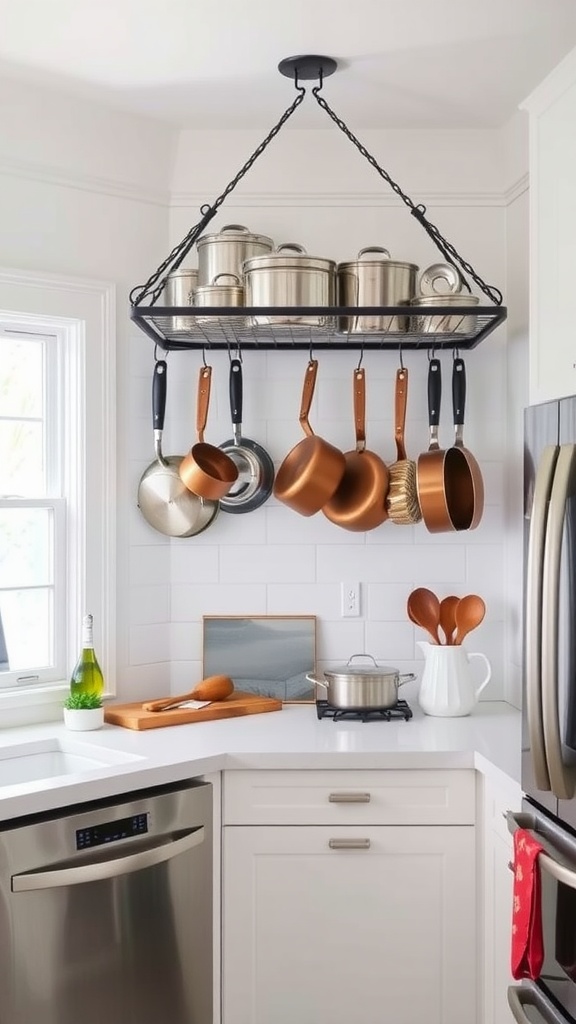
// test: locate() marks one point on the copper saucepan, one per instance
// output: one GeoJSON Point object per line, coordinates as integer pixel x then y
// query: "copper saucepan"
{"type": "Point", "coordinates": [206, 470]}
{"type": "Point", "coordinates": [312, 470]}
{"type": "Point", "coordinates": [359, 502]}
{"type": "Point", "coordinates": [466, 507]}
{"type": "Point", "coordinates": [443, 477]}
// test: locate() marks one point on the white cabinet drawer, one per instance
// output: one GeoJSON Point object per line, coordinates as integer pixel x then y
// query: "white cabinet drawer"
{"type": "Point", "coordinates": [349, 797]}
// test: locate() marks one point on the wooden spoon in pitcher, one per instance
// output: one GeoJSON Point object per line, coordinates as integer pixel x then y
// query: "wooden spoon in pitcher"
{"type": "Point", "coordinates": [448, 617]}
{"type": "Point", "coordinates": [469, 613]}
{"type": "Point", "coordinates": [424, 610]}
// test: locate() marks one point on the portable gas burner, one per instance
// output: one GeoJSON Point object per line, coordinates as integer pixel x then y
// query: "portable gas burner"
{"type": "Point", "coordinates": [400, 710]}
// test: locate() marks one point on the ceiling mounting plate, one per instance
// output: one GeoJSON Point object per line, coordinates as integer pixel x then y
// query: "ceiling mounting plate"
{"type": "Point", "coordinates": [307, 67]}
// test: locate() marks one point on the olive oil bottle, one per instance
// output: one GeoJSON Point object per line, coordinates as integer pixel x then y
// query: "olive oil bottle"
{"type": "Point", "coordinates": [87, 676]}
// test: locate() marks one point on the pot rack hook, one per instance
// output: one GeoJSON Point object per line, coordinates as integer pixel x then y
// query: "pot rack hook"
{"type": "Point", "coordinates": [402, 367]}
{"type": "Point", "coordinates": [361, 357]}
{"type": "Point", "coordinates": [307, 67]}
{"type": "Point", "coordinates": [431, 353]}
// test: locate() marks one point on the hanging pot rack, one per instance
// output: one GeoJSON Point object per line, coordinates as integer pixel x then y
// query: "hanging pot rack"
{"type": "Point", "coordinates": [223, 328]}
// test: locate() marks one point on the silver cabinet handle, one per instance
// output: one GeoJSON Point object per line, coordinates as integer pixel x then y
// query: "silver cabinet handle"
{"type": "Point", "coordinates": [552, 861]}
{"type": "Point", "coordinates": [99, 870]}
{"type": "Point", "coordinates": [533, 627]}
{"type": "Point", "coordinates": [521, 996]}
{"type": "Point", "coordinates": [349, 798]}
{"type": "Point", "coordinates": [349, 844]}
{"type": "Point", "coordinates": [563, 488]}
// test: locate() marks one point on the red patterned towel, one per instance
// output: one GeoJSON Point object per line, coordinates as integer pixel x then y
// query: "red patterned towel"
{"type": "Point", "coordinates": [527, 942]}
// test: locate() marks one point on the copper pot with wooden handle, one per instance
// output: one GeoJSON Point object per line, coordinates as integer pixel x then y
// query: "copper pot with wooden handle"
{"type": "Point", "coordinates": [312, 470]}
{"type": "Point", "coordinates": [359, 502]}
{"type": "Point", "coordinates": [206, 470]}
{"type": "Point", "coordinates": [442, 474]}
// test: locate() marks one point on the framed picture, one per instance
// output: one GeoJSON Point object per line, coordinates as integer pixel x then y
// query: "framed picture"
{"type": "Point", "coordinates": [265, 654]}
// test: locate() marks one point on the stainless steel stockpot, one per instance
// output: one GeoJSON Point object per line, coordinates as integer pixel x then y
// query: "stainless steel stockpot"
{"type": "Point", "coordinates": [179, 291]}
{"type": "Point", "coordinates": [429, 322]}
{"type": "Point", "coordinates": [362, 686]}
{"type": "Point", "coordinates": [374, 279]}
{"type": "Point", "coordinates": [225, 251]}
{"type": "Point", "coordinates": [289, 277]}
{"type": "Point", "coordinates": [224, 290]}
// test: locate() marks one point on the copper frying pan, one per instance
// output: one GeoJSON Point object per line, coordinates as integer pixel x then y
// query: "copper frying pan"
{"type": "Point", "coordinates": [312, 470]}
{"type": "Point", "coordinates": [468, 506]}
{"type": "Point", "coordinates": [206, 470]}
{"type": "Point", "coordinates": [442, 477]}
{"type": "Point", "coordinates": [359, 502]}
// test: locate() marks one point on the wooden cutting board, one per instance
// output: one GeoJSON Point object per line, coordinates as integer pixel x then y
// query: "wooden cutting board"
{"type": "Point", "coordinates": [133, 716]}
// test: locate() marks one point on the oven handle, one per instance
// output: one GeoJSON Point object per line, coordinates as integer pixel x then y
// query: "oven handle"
{"type": "Point", "coordinates": [98, 871]}
{"type": "Point", "coordinates": [550, 860]}
{"type": "Point", "coordinates": [521, 996]}
{"type": "Point", "coordinates": [564, 487]}
{"type": "Point", "coordinates": [533, 628]}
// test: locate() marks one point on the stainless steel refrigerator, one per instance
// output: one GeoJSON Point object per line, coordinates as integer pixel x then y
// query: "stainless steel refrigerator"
{"type": "Point", "coordinates": [549, 702]}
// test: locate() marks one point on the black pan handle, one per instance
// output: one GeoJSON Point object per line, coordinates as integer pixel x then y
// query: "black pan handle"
{"type": "Point", "coordinates": [159, 394]}
{"type": "Point", "coordinates": [458, 391]}
{"type": "Point", "coordinates": [236, 391]}
{"type": "Point", "coordinates": [434, 392]}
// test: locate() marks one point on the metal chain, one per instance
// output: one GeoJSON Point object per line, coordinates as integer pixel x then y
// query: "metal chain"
{"type": "Point", "coordinates": [155, 284]}
{"type": "Point", "coordinates": [449, 252]}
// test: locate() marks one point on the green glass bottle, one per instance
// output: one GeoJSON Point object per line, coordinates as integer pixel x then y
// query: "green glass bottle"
{"type": "Point", "coordinates": [87, 676]}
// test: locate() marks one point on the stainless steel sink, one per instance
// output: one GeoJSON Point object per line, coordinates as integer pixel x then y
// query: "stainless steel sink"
{"type": "Point", "coordinates": [54, 757]}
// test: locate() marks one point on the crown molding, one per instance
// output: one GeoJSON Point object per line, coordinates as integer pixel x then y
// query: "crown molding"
{"type": "Point", "coordinates": [343, 199]}
{"type": "Point", "coordinates": [53, 175]}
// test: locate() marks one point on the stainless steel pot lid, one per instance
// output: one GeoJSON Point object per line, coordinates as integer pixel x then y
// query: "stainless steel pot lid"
{"type": "Point", "coordinates": [373, 671]}
{"type": "Point", "coordinates": [378, 257]}
{"type": "Point", "coordinates": [289, 256]}
{"type": "Point", "coordinates": [235, 233]}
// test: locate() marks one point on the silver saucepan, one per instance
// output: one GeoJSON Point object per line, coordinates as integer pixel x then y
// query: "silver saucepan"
{"type": "Point", "coordinates": [362, 686]}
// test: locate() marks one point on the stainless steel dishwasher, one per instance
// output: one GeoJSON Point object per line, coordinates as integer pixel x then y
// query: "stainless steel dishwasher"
{"type": "Point", "coordinates": [106, 912]}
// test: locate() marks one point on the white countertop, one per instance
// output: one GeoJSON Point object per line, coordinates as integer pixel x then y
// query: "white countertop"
{"type": "Point", "coordinates": [489, 739]}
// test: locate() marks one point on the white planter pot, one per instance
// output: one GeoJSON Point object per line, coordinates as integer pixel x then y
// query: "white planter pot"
{"type": "Point", "coordinates": [83, 719]}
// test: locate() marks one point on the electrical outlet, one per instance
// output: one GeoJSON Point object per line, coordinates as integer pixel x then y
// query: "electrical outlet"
{"type": "Point", "coordinates": [350, 599]}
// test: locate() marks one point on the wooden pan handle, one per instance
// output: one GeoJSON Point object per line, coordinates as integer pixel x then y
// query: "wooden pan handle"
{"type": "Point", "coordinates": [307, 395]}
{"type": "Point", "coordinates": [203, 401]}
{"type": "Point", "coordinates": [400, 402]}
{"type": "Point", "coordinates": [360, 408]}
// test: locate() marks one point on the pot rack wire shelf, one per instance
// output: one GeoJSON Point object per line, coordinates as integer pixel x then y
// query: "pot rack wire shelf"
{"type": "Point", "coordinates": [222, 328]}
{"type": "Point", "coordinates": [173, 328]}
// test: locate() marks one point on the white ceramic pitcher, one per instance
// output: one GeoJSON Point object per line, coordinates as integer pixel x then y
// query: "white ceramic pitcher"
{"type": "Point", "coordinates": [448, 689]}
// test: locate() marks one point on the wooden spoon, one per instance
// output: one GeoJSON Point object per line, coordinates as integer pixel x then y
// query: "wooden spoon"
{"type": "Point", "coordinates": [469, 613]}
{"type": "Point", "coordinates": [448, 617]}
{"type": "Point", "coordinates": [424, 610]}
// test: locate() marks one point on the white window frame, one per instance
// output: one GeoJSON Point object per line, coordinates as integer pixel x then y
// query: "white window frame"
{"type": "Point", "coordinates": [82, 313]}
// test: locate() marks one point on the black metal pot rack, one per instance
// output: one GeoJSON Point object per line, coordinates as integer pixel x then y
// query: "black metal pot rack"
{"type": "Point", "coordinates": [176, 328]}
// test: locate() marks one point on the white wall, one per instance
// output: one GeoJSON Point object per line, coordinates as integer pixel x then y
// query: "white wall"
{"type": "Point", "coordinates": [85, 191]}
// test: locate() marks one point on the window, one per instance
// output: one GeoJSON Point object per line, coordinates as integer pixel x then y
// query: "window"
{"type": "Point", "coordinates": [57, 481]}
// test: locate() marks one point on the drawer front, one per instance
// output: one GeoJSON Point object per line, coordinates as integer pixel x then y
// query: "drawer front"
{"type": "Point", "coordinates": [348, 797]}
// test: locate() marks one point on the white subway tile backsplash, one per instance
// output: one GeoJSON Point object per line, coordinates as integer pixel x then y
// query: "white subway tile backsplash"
{"type": "Point", "coordinates": [386, 601]}
{"type": "Point", "coordinates": [390, 642]}
{"type": "Point", "coordinates": [191, 602]}
{"type": "Point", "coordinates": [322, 600]}
{"type": "Point", "coordinates": [149, 605]}
{"type": "Point", "coordinates": [193, 562]}
{"type": "Point", "coordinates": [272, 563]}
{"type": "Point", "coordinates": [339, 639]}
{"type": "Point", "coordinates": [186, 640]}
{"type": "Point", "coordinates": [284, 526]}
{"type": "Point", "coordinates": [420, 565]}
{"type": "Point", "coordinates": [150, 643]}
{"type": "Point", "coordinates": [149, 565]}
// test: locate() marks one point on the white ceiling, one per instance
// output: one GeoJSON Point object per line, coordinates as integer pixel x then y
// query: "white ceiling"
{"type": "Point", "coordinates": [212, 63]}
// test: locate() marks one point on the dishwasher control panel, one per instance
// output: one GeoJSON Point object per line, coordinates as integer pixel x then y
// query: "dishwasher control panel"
{"type": "Point", "coordinates": [111, 831]}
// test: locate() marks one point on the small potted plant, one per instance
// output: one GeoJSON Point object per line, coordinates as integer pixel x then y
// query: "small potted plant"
{"type": "Point", "coordinates": [83, 711]}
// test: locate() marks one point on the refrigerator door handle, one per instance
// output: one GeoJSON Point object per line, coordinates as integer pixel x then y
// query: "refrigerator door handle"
{"type": "Point", "coordinates": [533, 627]}
{"type": "Point", "coordinates": [563, 488]}
{"type": "Point", "coordinates": [554, 861]}
{"type": "Point", "coordinates": [520, 996]}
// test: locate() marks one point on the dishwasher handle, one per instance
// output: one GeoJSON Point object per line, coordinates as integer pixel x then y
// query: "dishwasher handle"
{"type": "Point", "coordinates": [98, 871]}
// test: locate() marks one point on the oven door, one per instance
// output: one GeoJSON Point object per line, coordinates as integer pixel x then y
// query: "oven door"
{"type": "Point", "coordinates": [557, 865]}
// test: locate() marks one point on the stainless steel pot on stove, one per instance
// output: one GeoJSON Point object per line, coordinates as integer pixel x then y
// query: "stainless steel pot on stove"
{"type": "Point", "coordinates": [225, 251]}
{"type": "Point", "coordinates": [362, 686]}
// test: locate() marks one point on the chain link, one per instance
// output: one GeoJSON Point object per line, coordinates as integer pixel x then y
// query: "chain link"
{"type": "Point", "coordinates": [156, 282]}
{"type": "Point", "coordinates": [450, 253]}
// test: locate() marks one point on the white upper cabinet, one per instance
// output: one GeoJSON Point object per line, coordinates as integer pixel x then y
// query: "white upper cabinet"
{"type": "Point", "coordinates": [552, 112]}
